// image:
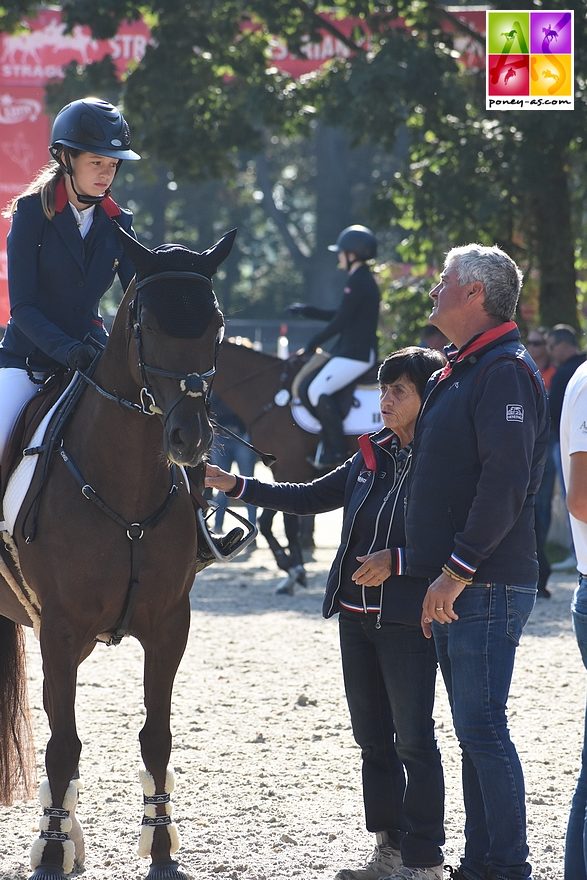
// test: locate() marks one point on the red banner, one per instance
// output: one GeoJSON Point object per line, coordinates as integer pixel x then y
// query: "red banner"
{"type": "Point", "coordinates": [28, 61]}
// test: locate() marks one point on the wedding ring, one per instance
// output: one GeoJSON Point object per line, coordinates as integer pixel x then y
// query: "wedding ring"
{"type": "Point", "coordinates": [440, 609]}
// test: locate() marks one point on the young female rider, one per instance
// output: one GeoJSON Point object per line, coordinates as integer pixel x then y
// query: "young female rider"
{"type": "Point", "coordinates": [63, 253]}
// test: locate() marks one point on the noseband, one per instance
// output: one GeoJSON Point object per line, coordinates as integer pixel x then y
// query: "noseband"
{"type": "Point", "coordinates": [190, 384]}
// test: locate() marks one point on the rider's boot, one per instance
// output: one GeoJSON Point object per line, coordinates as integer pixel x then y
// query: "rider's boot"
{"type": "Point", "coordinates": [225, 543]}
{"type": "Point", "coordinates": [334, 448]}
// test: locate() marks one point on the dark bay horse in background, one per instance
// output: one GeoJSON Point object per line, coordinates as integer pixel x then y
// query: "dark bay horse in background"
{"type": "Point", "coordinates": [248, 381]}
{"type": "Point", "coordinates": [114, 547]}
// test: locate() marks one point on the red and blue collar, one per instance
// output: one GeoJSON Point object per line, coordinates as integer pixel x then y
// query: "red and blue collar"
{"type": "Point", "coordinates": [62, 200]}
{"type": "Point", "coordinates": [476, 343]}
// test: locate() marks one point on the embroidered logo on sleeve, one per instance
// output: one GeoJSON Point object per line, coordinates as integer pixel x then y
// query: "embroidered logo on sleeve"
{"type": "Point", "coordinates": [514, 412]}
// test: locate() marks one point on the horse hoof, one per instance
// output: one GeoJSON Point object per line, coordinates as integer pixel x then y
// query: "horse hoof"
{"type": "Point", "coordinates": [300, 575]}
{"type": "Point", "coordinates": [166, 871]}
{"type": "Point", "coordinates": [48, 872]}
{"type": "Point", "coordinates": [286, 586]}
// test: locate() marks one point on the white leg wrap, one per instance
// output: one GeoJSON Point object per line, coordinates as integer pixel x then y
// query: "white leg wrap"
{"type": "Point", "coordinates": [66, 826]}
{"type": "Point", "coordinates": [152, 812]}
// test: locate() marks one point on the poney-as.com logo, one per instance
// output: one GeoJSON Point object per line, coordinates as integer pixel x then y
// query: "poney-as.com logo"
{"type": "Point", "coordinates": [529, 60]}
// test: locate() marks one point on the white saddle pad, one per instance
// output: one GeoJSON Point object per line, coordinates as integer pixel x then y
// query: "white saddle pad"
{"type": "Point", "coordinates": [22, 475]}
{"type": "Point", "coordinates": [364, 416]}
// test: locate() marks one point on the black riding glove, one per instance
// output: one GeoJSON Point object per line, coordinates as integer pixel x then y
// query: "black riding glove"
{"type": "Point", "coordinates": [80, 356]}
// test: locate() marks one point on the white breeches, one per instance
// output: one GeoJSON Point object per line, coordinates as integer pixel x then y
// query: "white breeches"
{"type": "Point", "coordinates": [335, 374]}
{"type": "Point", "coordinates": [15, 389]}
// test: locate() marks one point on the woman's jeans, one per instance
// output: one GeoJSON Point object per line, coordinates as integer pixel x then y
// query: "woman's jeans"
{"type": "Point", "coordinates": [576, 843]}
{"type": "Point", "coordinates": [389, 676]}
{"type": "Point", "coordinates": [476, 655]}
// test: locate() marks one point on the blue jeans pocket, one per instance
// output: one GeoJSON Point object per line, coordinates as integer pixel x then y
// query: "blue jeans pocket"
{"type": "Point", "coordinates": [520, 602]}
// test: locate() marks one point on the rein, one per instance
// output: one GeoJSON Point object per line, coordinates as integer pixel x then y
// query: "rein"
{"type": "Point", "coordinates": [190, 385]}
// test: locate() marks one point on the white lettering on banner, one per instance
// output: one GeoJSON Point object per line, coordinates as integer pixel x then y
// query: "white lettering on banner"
{"type": "Point", "coordinates": [131, 47]}
{"type": "Point", "coordinates": [53, 38]}
{"type": "Point", "coordinates": [13, 111]}
{"type": "Point", "coordinates": [28, 71]}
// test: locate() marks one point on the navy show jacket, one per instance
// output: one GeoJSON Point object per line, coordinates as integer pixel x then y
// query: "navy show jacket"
{"type": "Point", "coordinates": [367, 483]}
{"type": "Point", "coordinates": [56, 279]}
{"type": "Point", "coordinates": [479, 450]}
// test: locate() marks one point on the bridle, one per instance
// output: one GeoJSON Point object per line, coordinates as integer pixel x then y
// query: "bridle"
{"type": "Point", "coordinates": [190, 384]}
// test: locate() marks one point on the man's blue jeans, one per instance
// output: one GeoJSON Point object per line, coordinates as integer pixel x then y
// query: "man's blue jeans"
{"type": "Point", "coordinates": [476, 655]}
{"type": "Point", "coordinates": [389, 676]}
{"type": "Point", "coordinates": [576, 843]}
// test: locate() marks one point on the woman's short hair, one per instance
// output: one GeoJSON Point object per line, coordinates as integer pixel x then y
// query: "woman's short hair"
{"type": "Point", "coordinates": [415, 363]}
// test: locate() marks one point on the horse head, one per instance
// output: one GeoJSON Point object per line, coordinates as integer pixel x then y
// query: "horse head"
{"type": "Point", "coordinates": [177, 327]}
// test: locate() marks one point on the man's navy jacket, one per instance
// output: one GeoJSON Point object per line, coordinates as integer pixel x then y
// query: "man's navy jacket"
{"type": "Point", "coordinates": [56, 279]}
{"type": "Point", "coordinates": [479, 451]}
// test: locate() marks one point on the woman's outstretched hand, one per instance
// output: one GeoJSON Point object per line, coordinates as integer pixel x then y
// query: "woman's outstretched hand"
{"type": "Point", "coordinates": [374, 568]}
{"type": "Point", "coordinates": [216, 478]}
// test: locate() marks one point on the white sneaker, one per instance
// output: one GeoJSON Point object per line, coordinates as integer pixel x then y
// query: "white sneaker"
{"type": "Point", "coordinates": [405, 873]}
{"type": "Point", "coordinates": [385, 859]}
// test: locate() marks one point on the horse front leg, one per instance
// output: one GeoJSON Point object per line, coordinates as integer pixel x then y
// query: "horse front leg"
{"type": "Point", "coordinates": [265, 523]}
{"type": "Point", "coordinates": [59, 847]}
{"type": "Point", "coordinates": [163, 649]}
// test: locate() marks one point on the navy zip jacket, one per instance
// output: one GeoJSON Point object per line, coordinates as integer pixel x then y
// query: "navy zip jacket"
{"type": "Point", "coordinates": [371, 489]}
{"type": "Point", "coordinates": [479, 451]}
{"type": "Point", "coordinates": [355, 321]}
{"type": "Point", "coordinates": [56, 279]}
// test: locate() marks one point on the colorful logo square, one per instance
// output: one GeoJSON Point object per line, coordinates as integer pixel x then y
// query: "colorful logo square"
{"type": "Point", "coordinates": [551, 75]}
{"type": "Point", "coordinates": [551, 32]}
{"type": "Point", "coordinates": [508, 74]}
{"type": "Point", "coordinates": [529, 60]}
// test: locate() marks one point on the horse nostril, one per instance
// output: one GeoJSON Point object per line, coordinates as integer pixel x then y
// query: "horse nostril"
{"type": "Point", "coordinates": [176, 439]}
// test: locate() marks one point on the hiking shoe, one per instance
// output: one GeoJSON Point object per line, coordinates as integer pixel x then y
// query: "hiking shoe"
{"type": "Point", "coordinates": [405, 873]}
{"type": "Point", "coordinates": [454, 873]}
{"type": "Point", "coordinates": [385, 859]}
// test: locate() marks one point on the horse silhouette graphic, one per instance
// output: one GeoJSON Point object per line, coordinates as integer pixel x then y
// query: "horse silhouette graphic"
{"type": "Point", "coordinates": [511, 73]}
{"type": "Point", "coordinates": [549, 34]}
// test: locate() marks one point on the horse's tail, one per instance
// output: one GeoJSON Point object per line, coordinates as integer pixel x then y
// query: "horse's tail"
{"type": "Point", "coordinates": [17, 757]}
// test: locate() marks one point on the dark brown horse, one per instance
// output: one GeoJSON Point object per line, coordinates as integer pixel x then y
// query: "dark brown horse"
{"type": "Point", "coordinates": [113, 547]}
{"type": "Point", "coordinates": [252, 384]}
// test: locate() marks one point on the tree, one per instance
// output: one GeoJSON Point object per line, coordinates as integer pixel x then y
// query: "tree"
{"type": "Point", "coordinates": [203, 98]}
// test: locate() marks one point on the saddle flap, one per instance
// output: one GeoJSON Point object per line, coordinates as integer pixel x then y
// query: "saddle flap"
{"type": "Point", "coordinates": [27, 422]}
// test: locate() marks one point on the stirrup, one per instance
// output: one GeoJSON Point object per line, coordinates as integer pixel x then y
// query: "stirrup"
{"type": "Point", "coordinates": [251, 532]}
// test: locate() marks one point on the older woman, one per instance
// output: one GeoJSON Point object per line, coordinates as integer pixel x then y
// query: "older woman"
{"type": "Point", "coordinates": [389, 667]}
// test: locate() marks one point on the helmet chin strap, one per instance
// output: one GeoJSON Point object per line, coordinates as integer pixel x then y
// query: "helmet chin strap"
{"type": "Point", "coordinates": [84, 199]}
{"type": "Point", "coordinates": [349, 263]}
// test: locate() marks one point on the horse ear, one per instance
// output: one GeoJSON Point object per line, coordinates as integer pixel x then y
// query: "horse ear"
{"type": "Point", "coordinates": [219, 251]}
{"type": "Point", "coordinates": [141, 257]}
